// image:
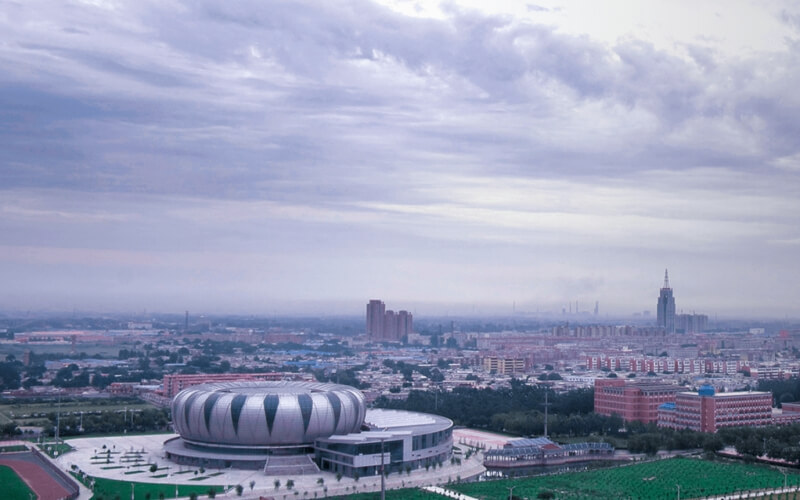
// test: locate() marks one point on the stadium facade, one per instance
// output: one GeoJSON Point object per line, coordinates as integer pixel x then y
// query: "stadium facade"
{"type": "Point", "coordinates": [300, 427]}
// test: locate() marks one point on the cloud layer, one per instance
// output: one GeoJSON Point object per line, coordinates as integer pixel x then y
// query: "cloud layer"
{"type": "Point", "coordinates": [249, 156]}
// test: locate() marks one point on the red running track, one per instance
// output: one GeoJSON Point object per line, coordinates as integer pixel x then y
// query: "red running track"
{"type": "Point", "coordinates": [37, 479]}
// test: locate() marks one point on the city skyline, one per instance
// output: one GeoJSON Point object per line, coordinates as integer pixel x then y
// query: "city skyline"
{"type": "Point", "coordinates": [456, 158]}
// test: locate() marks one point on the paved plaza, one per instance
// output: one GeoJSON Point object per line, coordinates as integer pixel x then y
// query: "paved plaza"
{"type": "Point", "coordinates": [127, 458]}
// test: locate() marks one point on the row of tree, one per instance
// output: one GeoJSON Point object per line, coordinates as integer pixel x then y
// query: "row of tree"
{"type": "Point", "coordinates": [502, 409]}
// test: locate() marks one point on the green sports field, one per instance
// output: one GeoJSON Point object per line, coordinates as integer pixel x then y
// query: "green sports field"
{"type": "Point", "coordinates": [13, 486]}
{"type": "Point", "coordinates": [651, 480]}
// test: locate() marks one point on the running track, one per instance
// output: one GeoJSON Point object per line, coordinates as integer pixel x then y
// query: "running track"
{"type": "Point", "coordinates": [31, 469]}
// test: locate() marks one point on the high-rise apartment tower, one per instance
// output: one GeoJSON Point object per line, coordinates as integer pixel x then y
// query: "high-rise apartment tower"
{"type": "Point", "coordinates": [376, 310]}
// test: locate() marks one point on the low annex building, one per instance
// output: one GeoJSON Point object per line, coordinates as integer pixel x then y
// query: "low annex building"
{"type": "Point", "coordinates": [542, 452]}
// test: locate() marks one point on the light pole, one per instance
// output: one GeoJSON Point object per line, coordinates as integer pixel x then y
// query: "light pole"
{"type": "Point", "coordinates": [58, 418]}
{"type": "Point", "coordinates": [510, 492]}
{"type": "Point", "coordinates": [679, 491]}
{"type": "Point", "coordinates": [383, 477]}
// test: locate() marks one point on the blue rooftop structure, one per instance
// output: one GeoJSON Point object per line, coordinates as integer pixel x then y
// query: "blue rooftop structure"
{"type": "Point", "coordinates": [706, 390]}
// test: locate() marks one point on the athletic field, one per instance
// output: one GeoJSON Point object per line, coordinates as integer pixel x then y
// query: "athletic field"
{"type": "Point", "coordinates": [696, 478]}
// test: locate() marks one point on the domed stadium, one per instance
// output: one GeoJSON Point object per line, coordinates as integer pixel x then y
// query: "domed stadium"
{"type": "Point", "coordinates": [300, 427]}
{"type": "Point", "coordinates": [266, 414]}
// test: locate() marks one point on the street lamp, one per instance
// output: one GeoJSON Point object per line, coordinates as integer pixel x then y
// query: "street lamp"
{"type": "Point", "coordinates": [679, 491]}
{"type": "Point", "coordinates": [510, 492]}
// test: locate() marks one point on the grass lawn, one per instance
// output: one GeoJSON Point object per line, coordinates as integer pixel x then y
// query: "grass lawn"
{"type": "Point", "coordinates": [108, 489]}
{"type": "Point", "coordinates": [13, 448]}
{"type": "Point", "coordinates": [55, 449]}
{"type": "Point", "coordinates": [659, 479]}
{"type": "Point", "coordinates": [13, 486]}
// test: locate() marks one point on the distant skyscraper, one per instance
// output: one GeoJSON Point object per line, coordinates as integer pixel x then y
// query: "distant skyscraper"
{"type": "Point", "coordinates": [666, 306]}
{"type": "Point", "coordinates": [691, 323]}
{"type": "Point", "coordinates": [376, 310]}
{"type": "Point", "coordinates": [383, 325]}
{"type": "Point", "coordinates": [405, 324]}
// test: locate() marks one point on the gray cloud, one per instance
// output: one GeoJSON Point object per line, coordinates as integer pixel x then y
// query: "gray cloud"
{"type": "Point", "coordinates": [338, 136]}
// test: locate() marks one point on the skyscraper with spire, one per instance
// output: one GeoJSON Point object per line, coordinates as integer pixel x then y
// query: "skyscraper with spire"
{"type": "Point", "coordinates": [666, 306]}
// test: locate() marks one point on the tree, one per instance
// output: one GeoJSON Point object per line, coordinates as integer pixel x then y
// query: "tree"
{"type": "Point", "coordinates": [252, 485]}
{"type": "Point", "coordinates": [193, 496]}
{"type": "Point", "coordinates": [212, 493]}
{"type": "Point", "coordinates": [239, 490]}
{"type": "Point", "coordinates": [153, 468]}
{"type": "Point", "coordinates": [9, 375]}
{"type": "Point", "coordinates": [277, 483]}
{"type": "Point", "coordinates": [750, 446]}
{"type": "Point", "coordinates": [289, 484]}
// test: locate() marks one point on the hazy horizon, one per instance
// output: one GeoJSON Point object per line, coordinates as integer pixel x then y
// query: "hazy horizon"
{"type": "Point", "coordinates": [270, 156]}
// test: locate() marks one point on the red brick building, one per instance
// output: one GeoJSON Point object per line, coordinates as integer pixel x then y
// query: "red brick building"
{"type": "Point", "coordinates": [632, 401]}
{"type": "Point", "coordinates": [708, 411]}
{"type": "Point", "coordinates": [173, 384]}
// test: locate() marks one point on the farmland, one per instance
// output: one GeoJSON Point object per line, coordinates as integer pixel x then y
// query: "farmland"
{"type": "Point", "coordinates": [660, 479]}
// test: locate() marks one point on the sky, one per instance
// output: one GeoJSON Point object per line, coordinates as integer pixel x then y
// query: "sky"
{"type": "Point", "coordinates": [271, 157]}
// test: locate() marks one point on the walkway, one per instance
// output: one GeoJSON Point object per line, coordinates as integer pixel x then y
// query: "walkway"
{"type": "Point", "coordinates": [756, 494]}
{"type": "Point", "coordinates": [448, 493]}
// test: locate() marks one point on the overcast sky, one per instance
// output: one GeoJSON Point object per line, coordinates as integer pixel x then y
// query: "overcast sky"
{"type": "Point", "coordinates": [278, 157]}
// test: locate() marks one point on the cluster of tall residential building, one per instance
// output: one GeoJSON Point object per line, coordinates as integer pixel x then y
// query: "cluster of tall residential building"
{"type": "Point", "coordinates": [387, 325]}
